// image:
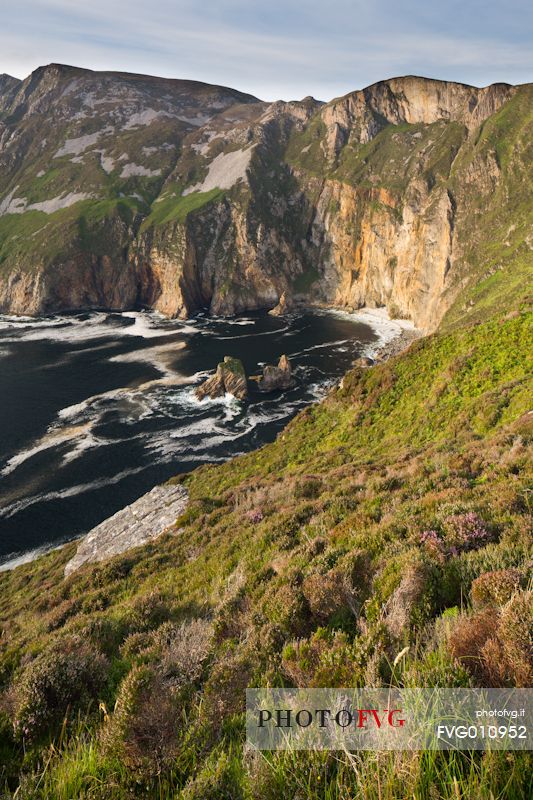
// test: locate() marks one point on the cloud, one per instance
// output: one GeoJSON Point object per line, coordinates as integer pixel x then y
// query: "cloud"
{"type": "Point", "coordinates": [280, 49]}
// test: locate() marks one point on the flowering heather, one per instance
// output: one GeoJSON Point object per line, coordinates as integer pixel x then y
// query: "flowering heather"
{"type": "Point", "coordinates": [468, 530]}
{"type": "Point", "coordinates": [431, 539]}
{"type": "Point", "coordinates": [255, 516]}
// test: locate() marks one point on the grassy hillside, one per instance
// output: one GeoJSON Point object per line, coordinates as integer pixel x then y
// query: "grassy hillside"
{"type": "Point", "coordinates": [496, 223]}
{"type": "Point", "coordinates": [391, 518]}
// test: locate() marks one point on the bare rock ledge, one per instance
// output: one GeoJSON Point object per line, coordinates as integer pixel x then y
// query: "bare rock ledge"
{"type": "Point", "coordinates": [145, 519]}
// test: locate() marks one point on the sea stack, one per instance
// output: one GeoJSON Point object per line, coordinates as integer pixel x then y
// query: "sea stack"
{"type": "Point", "coordinates": [279, 377]}
{"type": "Point", "coordinates": [230, 378]}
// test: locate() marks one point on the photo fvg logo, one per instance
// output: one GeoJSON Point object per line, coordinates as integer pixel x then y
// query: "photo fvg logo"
{"type": "Point", "coordinates": [389, 718]}
{"type": "Point", "coordinates": [362, 718]}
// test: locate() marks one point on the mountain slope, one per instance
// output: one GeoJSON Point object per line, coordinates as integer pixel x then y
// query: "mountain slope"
{"type": "Point", "coordinates": [383, 539]}
{"type": "Point", "coordinates": [82, 156]}
{"type": "Point", "coordinates": [393, 515]}
{"type": "Point", "coordinates": [122, 190]}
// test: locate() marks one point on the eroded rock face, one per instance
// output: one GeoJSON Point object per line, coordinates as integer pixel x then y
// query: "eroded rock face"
{"type": "Point", "coordinates": [275, 378]}
{"type": "Point", "coordinates": [147, 518]}
{"type": "Point", "coordinates": [230, 378]}
{"type": "Point", "coordinates": [230, 204]}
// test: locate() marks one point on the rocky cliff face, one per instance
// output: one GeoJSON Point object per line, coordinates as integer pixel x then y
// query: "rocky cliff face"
{"type": "Point", "coordinates": [119, 190]}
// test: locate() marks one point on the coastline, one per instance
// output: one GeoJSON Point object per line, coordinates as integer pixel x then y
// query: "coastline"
{"type": "Point", "coordinates": [393, 336]}
{"type": "Point", "coordinates": [397, 345]}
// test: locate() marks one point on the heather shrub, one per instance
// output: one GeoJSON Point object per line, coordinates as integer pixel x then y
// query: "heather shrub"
{"type": "Point", "coordinates": [67, 675]}
{"type": "Point", "coordinates": [148, 611]}
{"type": "Point", "coordinates": [432, 541]}
{"type": "Point", "coordinates": [225, 689]}
{"type": "Point", "coordinates": [183, 650]}
{"type": "Point", "coordinates": [58, 615]}
{"type": "Point", "coordinates": [115, 569]}
{"type": "Point", "coordinates": [410, 601]}
{"type": "Point", "coordinates": [325, 659]}
{"type": "Point", "coordinates": [326, 594]}
{"type": "Point", "coordinates": [467, 639]}
{"type": "Point", "coordinates": [285, 605]}
{"type": "Point", "coordinates": [287, 526]}
{"type": "Point", "coordinates": [496, 646]}
{"type": "Point", "coordinates": [515, 632]}
{"type": "Point", "coordinates": [308, 487]}
{"type": "Point", "coordinates": [315, 546]}
{"type": "Point", "coordinates": [231, 617]}
{"type": "Point", "coordinates": [136, 644]}
{"type": "Point", "coordinates": [105, 632]}
{"type": "Point", "coordinates": [467, 531]}
{"type": "Point", "coordinates": [219, 779]}
{"type": "Point", "coordinates": [255, 516]}
{"type": "Point", "coordinates": [95, 601]}
{"type": "Point", "coordinates": [495, 588]}
{"type": "Point", "coordinates": [144, 729]}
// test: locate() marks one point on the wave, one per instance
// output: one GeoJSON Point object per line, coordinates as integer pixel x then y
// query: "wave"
{"type": "Point", "coordinates": [159, 357]}
{"type": "Point", "coordinates": [71, 491]}
{"type": "Point", "coordinates": [324, 346]}
{"type": "Point", "coordinates": [378, 320]}
{"type": "Point", "coordinates": [53, 438]}
{"type": "Point", "coordinates": [12, 560]}
{"type": "Point", "coordinates": [96, 325]}
{"type": "Point", "coordinates": [152, 325]}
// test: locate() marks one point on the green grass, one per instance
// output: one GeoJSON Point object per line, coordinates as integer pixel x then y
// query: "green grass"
{"type": "Point", "coordinates": [176, 208]}
{"type": "Point", "coordinates": [402, 448]}
{"type": "Point", "coordinates": [34, 239]}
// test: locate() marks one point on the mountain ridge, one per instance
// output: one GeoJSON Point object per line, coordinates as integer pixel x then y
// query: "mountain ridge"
{"type": "Point", "coordinates": [121, 190]}
{"type": "Point", "coordinates": [382, 540]}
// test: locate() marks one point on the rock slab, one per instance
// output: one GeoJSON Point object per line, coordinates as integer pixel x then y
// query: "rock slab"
{"type": "Point", "coordinates": [145, 519]}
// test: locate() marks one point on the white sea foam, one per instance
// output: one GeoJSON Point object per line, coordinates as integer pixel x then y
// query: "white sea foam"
{"type": "Point", "coordinates": [229, 321]}
{"type": "Point", "coordinates": [71, 491]}
{"type": "Point", "coordinates": [13, 560]}
{"type": "Point", "coordinates": [152, 324]}
{"type": "Point", "coordinates": [385, 328]}
{"type": "Point", "coordinates": [263, 333]}
{"type": "Point", "coordinates": [79, 409]}
{"type": "Point", "coordinates": [324, 346]}
{"type": "Point", "coordinates": [146, 325]}
{"type": "Point", "coordinates": [159, 357]}
{"type": "Point", "coordinates": [228, 400]}
{"type": "Point", "coordinates": [52, 438]}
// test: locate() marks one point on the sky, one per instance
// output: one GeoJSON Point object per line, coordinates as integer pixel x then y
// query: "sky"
{"type": "Point", "coordinates": [275, 49]}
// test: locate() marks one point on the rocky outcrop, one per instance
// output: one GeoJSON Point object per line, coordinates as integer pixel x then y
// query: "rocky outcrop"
{"type": "Point", "coordinates": [147, 518]}
{"type": "Point", "coordinates": [230, 378]}
{"type": "Point", "coordinates": [364, 361]}
{"type": "Point", "coordinates": [276, 378]}
{"type": "Point", "coordinates": [411, 100]}
{"type": "Point", "coordinates": [285, 306]}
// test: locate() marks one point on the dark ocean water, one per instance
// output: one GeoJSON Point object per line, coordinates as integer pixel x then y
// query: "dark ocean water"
{"type": "Point", "coordinates": [97, 408]}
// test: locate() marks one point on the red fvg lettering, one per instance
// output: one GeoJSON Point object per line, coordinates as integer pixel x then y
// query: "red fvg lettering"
{"type": "Point", "coordinates": [366, 715]}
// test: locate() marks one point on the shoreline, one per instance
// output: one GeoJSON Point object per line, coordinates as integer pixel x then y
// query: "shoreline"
{"type": "Point", "coordinates": [393, 336]}
{"type": "Point", "coordinates": [397, 345]}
